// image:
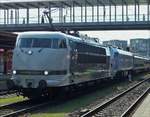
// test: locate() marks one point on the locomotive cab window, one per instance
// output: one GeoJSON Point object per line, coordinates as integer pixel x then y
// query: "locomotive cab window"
{"type": "Point", "coordinates": [34, 43]}
{"type": "Point", "coordinates": [42, 43]}
{"type": "Point", "coordinates": [24, 43]}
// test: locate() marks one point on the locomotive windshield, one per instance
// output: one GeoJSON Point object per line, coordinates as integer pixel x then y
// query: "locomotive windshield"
{"type": "Point", "coordinates": [41, 43]}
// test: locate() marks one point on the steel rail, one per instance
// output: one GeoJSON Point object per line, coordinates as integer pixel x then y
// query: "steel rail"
{"type": "Point", "coordinates": [14, 104]}
{"type": "Point", "coordinates": [106, 103]}
{"type": "Point", "coordinates": [135, 104]}
{"type": "Point", "coordinates": [24, 110]}
{"type": "Point", "coordinates": [33, 105]}
{"type": "Point", "coordinates": [3, 93]}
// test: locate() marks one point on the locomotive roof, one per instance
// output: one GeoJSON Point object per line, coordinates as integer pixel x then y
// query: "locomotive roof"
{"type": "Point", "coordinates": [38, 33]}
{"type": "Point", "coordinates": [59, 34]}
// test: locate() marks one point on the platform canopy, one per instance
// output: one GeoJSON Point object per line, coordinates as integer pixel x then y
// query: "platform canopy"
{"type": "Point", "coordinates": [60, 3]}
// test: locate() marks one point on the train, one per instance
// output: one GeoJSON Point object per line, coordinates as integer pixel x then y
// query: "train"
{"type": "Point", "coordinates": [44, 60]}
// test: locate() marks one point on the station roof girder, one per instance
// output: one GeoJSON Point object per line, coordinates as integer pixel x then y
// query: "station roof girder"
{"type": "Point", "coordinates": [15, 4]}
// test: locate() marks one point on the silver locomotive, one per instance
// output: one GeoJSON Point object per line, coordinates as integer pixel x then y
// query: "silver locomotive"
{"type": "Point", "coordinates": [43, 61]}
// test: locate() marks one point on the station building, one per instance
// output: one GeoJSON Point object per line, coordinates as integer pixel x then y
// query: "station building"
{"type": "Point", "coordinates": [140, 46]}
{"type": "Point", "coordinates": [122, 44]}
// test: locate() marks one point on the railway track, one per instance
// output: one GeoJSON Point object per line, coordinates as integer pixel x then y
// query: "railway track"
{"type": "Point", "coordinates": [7, 93]}
{"type": "Point", "coordinates": [4, 88]}
{"type": "Point", "coordinates": [121, 104]}
{"type": "Point", "coordinates": [18, 108]}
{"type": "Point", "coordinates": [133, 107]}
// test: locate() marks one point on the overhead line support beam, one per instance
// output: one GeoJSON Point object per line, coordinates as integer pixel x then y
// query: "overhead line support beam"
{"type": "Point", "coordinates": [148, 3]}
{"type": "Point", "coordinates": [122, 11]}
{"type": "Point", "coordinates": [66, 4]}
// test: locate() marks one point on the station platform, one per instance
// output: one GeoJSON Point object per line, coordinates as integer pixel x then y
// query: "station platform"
{"type": "Point", "coordinates": [144, 108]}
{"type": "Point", "coordinates": [2, 76]}
{"type": "Point", "coordinates": [3, 80]}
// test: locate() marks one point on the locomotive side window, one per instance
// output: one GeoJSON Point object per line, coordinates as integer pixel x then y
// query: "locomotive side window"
{"type": "Point", "coordinates": [88, 53]}
{"type": "Point", "coordinates": [59, 43]}
{"type": "Point", "coordinates": [91, 49]}
{"type": "Point", "coordinates": [62, 44]}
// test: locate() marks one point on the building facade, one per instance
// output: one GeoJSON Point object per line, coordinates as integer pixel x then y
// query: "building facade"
{"type": "Point", "coordinates": [122, 44]}
{"type": "Point", "coordinates": [140, 46]}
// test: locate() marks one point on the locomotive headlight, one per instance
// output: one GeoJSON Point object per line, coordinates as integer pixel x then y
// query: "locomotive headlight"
{"type": "Point", "coordinates": [14, 72]}
{"type": "Point", "coordinates": [45, 72]}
